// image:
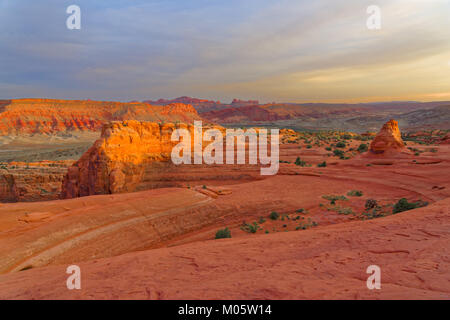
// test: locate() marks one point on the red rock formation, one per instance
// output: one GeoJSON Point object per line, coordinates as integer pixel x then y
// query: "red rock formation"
{"type": "Point", "coordinates": [50, 116]}
{"type": "Point", "coordinates": [134, 155]}
{"type": "Point", "coordinates": [388, 140]}
{"type": "Point", "coordinates": [36, 181]}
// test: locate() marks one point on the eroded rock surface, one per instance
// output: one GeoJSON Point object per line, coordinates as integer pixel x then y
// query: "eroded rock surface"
{"type": "Point", "coordinates": [52, 116]}
{"type": "Point", "coordinates": [133, 156]}
{"type": "Point", "coordinates": [37, 181]}
{"type": "Point", "coordinates": [388, 140]}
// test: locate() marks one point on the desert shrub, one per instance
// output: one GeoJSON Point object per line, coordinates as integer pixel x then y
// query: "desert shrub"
{"type": "Point", "coordinates": [261, 220]}
{"type": "Point", "coordinates": [308, 146]}
{"type": "Point", "coordinates": [404, 205]}
{"type": "Point", "coordinates": [355, 193]}
{"type": "Point", "coordinates": [250, 228]}
{"type": "Point", "coordinates": [346, 137]}
{"type": "Point", "coordinates": [274, 215]}
{"type": "Point", "coordinates": [340, 144]}
{"type": "Point", "coordinates": [363, 147]}
{"type": "Point", "coordinates": [328, 148]}
{"type": "Point", "coordinates": [322, 165]}
{"type": "Point", "coordinates": [300, 162]}
{"type": "Point", "coordinates": [301, 210]}
{"type": "Point", "coordinates": [370, 204]}
{"type": "Point", "coordinates": [223, 233]}
{"type": "Point", "coordinates": [339, 153]}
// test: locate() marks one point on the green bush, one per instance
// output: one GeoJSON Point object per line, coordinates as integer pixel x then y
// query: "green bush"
{"type": "Point", "coordinates": [322, 165]}
{"type": "Point", "coordinates": [250, 228]}
{"type": "Point", "coordinates": [223, 233]}
{"type": "Point", "coordinates": [340, 144]}
{"type": "Point", "coordinates": [363, 148]}
{"type": "Point", "coordinates": [404, 205]}
{"type": "Point", "coordinates": [274, 215]}
{"type": "Point", "coordinates": [300, 162]}
{"type": "Point", "coordinates": [339, 153]}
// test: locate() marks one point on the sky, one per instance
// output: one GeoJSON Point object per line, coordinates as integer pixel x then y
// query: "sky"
{"type": "Point", "coordinates": [269, 50]}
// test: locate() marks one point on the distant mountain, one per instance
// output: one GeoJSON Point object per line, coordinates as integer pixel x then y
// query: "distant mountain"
{"type": "Point", "coordinates": [323, 116]}
{"type": "Point", "coordinates": [435, 118]}
{"type": "Point", "coordinates": [204, 105]}
{"type": "Point", "coordinates": [241, 115]}
{"type": "Point", "coordinates": [51, 116]}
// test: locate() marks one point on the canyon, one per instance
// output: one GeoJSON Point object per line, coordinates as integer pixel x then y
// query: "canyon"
{"type": "Point", "coordinates": [120, 209]}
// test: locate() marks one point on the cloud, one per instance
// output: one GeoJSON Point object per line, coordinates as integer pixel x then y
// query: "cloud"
{"type": "Point", "coordinates": [286, 50]}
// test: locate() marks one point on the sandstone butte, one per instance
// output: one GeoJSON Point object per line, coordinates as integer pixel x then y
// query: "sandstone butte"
{"type": "Point", "coordinates": [388, 140]}
{"type": "Point", "coordinates": [49, 116]}
{"type": "Point", "coordinates": [134, 156]}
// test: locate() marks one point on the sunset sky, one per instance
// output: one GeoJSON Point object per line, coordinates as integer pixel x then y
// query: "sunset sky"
{"type": "Point", "coordinates": [277, 50]}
